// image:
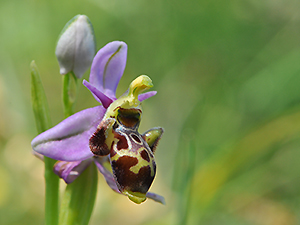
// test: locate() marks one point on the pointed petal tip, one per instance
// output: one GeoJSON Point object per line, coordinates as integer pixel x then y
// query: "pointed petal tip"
{"type": "Point", "coordinates": [98, 95]}
{"type": "Point", "coordinates": [114, 46]}
{"type": "Point", "coordinates": [156, 197]}
{"type": "Point", "coordinates": [146, 95]}
{"type": "Point", "coordinates": [81, 17]}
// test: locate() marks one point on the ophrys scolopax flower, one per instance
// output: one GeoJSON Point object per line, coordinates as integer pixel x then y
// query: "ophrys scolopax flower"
{"type": "Point", "coordinates": [107, 134]}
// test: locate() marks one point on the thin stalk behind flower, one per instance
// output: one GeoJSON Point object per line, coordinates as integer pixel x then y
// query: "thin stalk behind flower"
{"type": "Point", "coordinates": [79, 197]}
{"type": "Point", "coordinates": [69, 93]}
{"type": "Point", "coordinates": [42, 118]}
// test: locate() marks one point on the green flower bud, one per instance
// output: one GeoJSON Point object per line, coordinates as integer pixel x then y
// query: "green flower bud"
{"type": "Point", "coordinates": [76, 46]}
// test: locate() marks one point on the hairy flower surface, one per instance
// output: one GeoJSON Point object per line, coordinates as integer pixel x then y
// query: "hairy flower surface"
{"type": "Point", "coordinates": [107, 134]}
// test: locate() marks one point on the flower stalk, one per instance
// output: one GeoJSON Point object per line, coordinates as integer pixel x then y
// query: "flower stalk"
{"type": "Point", "coordinates": [79, 197]}
{"type": "Point", "coordinates": [69, 93]}
{"type": "Point", "coordinates": [42, 118]}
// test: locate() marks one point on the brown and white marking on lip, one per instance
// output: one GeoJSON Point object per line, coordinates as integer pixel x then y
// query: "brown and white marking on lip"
{"type": "Point", "coordinates": [133, 164]}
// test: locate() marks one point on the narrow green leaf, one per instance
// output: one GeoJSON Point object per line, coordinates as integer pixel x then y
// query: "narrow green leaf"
{"type": "Point", "coordinates": [185, 197]}
{"type": "Point", "coordinates": [39, 101]}
{"type": "Point", "coordinates": [42, 118]}
{"type": "Point", "coordinates": [79, 198]}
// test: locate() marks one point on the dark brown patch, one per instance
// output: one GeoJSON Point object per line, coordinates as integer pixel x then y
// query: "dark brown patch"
{"type": "Point", "coordinates": [129, 117]}
{"type": "Point", "coordinates": [112, 152]}
{"type": "Point", "coordinates": [145, 155]}
{"type": "Point", "coordinates": [136, 138]}
{"type": "Point", "coordinates": [97, 143]}
{"type": "Point", "coordinates": [122, 143]}
{"type": "Point", "coordinates": [128, 180]}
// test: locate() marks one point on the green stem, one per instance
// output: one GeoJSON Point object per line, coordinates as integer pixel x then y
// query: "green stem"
{"type": "Point", "coordinates": [52, 192]}
{"type": "Point", "coordinates": [69, 93]}
{"type": "Point", "coordinates": [79, 197]}
{"type": "Point", "coordinates": [43, 123]}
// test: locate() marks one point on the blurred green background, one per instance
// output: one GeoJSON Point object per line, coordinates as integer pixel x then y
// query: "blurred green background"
{"type": "Point", "coordinates": [227, 74]}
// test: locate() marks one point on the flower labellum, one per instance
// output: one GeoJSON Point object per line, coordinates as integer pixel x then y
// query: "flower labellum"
{"type": "Point", "coordinates": [76, 46]}
{"type": "Point", "coordinates": [131, 154]}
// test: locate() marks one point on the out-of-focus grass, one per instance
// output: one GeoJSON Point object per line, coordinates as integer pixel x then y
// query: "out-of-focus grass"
{"type": "Point", "coordinates": [227, 75]}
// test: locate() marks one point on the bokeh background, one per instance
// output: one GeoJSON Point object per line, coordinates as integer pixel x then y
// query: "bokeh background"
{"type": "Point", "coordinates": [227, 74]}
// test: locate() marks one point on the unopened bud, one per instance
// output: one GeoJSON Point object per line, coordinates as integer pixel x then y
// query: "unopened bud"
{"type": "Point", "coordinates": [76, 46]}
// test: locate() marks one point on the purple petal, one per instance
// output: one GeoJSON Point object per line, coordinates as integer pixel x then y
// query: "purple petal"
{"type": "Point", "coordinates": [98, 95]}
{"type": "Point", "coordinates": [69, 140]}
{"type": "Point", "coordinates": [146, 95]}
{"type": "Point", "coordinates": [106, 173]}
{"type": "Point", "coordinates": [108, 67]}
{"type": "Point", "coordinates": [156, 197]}
{"type": "Point", "coordinates": [69, 171]}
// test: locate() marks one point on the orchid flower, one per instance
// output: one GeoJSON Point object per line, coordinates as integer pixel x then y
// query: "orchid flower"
{"type": "Point", "coordinates": [107, 134]}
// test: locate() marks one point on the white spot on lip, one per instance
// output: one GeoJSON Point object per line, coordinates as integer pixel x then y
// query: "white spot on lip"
{"type": "Point", "coordinates": [140, 141]}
